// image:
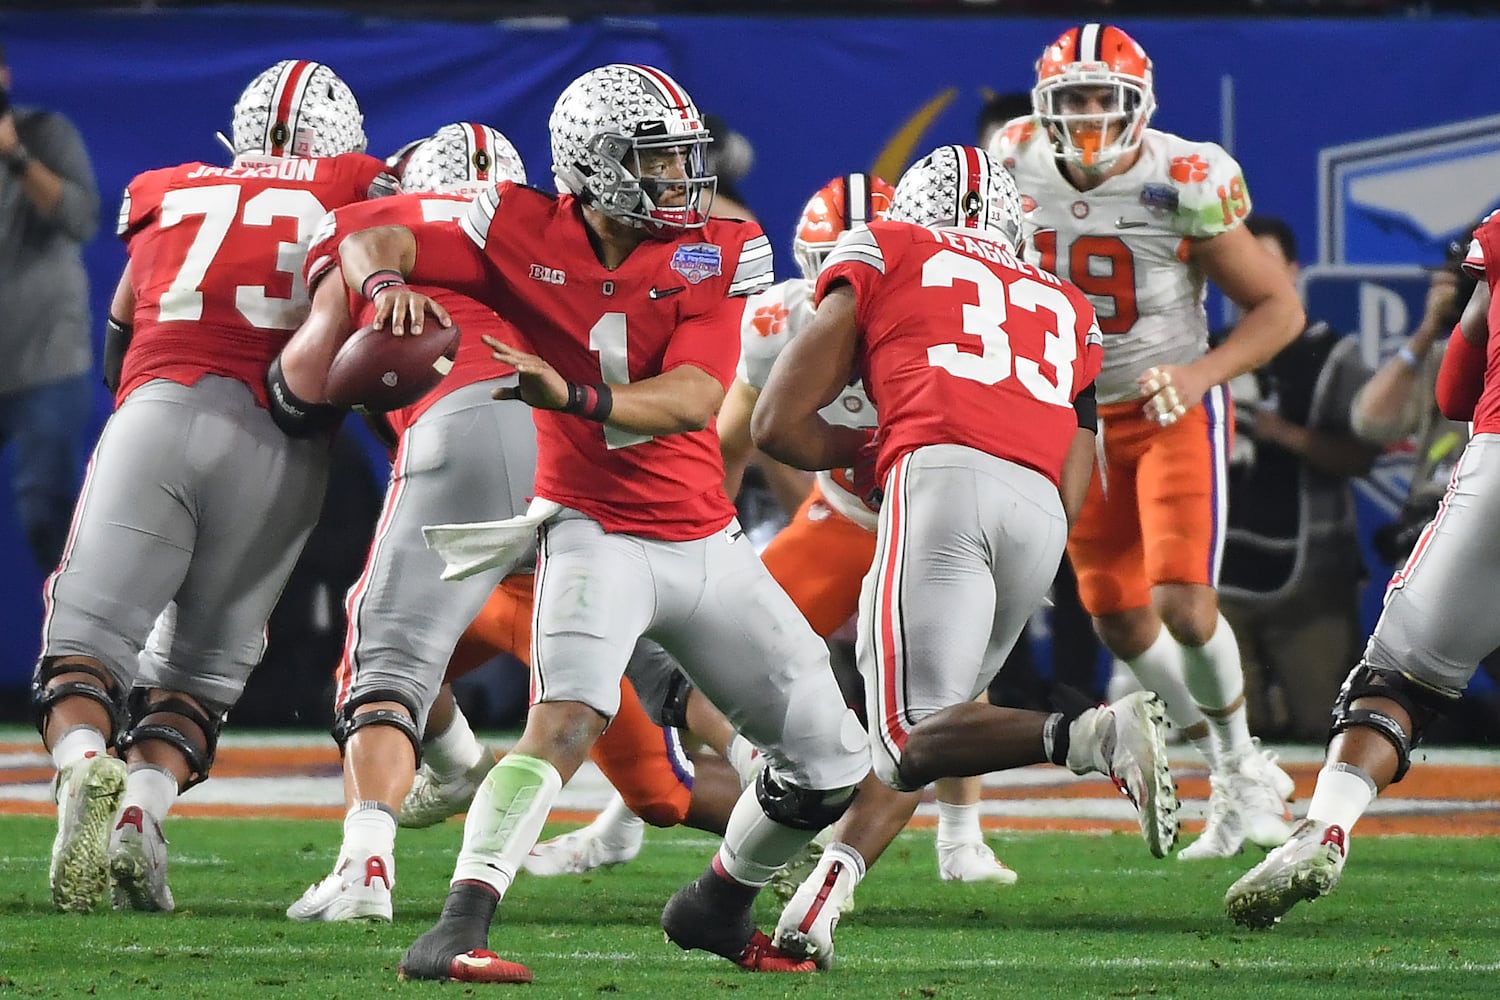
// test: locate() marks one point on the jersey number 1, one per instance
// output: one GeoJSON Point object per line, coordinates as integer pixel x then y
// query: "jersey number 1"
{"type": "Point", "coordinates": [607, 339]}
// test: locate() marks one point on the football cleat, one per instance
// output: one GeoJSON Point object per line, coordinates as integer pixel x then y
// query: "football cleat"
{"type": "Point", "coordinates": [1223, 835]}
{"type": "Point", "coordinates": [88, 795]}
{"type": "Point", "coordinates": [973, 861]}
{"type": "Point", "coordinates": [457, 946]}
{"type": "Point", "coordinates": [712, 913]}
{"type": "Point", "coordinates": [1307, 866]}
{"type": "Point", "coordinates": [138, 863]}
{"type": "Point", "coordinates": [1247, 802]}
{"type": "Point", "coordinates": [477, 965]}
{"type": "Point", "coordinates": [353, 891]}
{"type": "Point", "coordinates": [1126, 740]}
{"type": "Point", "coordinates": [583, 850]}
{"type": "Point", "coordinates": [806, 927]}
{"type": "Point", "coordinates": [431, 800]}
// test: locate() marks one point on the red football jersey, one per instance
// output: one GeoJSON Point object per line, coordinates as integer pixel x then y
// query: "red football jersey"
{"type": "Point", "coordinates": [216, 260]}
{"type": "Point", "coordinates": [473, 362]}
{"type": "Point", "coordinates": [527, 255]}
{"type": "Point", "coordinates": [1483, 260]}
{"type": "Point", "coordinates": [962, 343]}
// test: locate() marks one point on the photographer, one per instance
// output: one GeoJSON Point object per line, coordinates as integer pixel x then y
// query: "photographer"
{"type": "Point", "coordinates": [1399, 402]}
{"type": "Point", "coordinates": [49, 207]}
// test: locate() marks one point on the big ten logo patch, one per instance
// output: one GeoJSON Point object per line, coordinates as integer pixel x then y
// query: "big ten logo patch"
{"type": "Point", "coordinates": [550, 275]}
{"type": "Point", "coordinates": [770, 320]}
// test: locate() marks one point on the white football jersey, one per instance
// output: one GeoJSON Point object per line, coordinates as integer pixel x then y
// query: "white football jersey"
{"type": "Point", "coordinates": [1124, 244]}
{"type": "Point", "coordinates": [773, 318]}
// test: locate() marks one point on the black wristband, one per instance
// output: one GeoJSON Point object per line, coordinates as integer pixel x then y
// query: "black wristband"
{"type": "Point", "coordinates": [592, 402]}
{"type": "Point", "coordinates": [295, 416]}
{"type": "Point", "coordinates": [377, 281]}
{"type": "Point", "coordinates": [18, 160]}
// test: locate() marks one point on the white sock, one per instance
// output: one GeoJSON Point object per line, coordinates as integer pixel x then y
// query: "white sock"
{"type": "Point", "coordinates": [152, 788]}
{"type": "Point", "coordinates": [1342, 795]}
{"type": "Point", "coordinates": [369, 828]}
{"type": "Point", "coordinates": [1216, 680]}
{"type": "Point", "coordinates": [616, 825]}
{"type": "Point", "coordinates": [76, 744]}
{"type": "Point", "coordinates": [454, 750]}
{"type": "Point", "coordinates": [1160, 669]}
{"type": "Point", "coordinates": [755, 846]}
{"type": "Point", "coordinates": [852, 859]}
{"type": "Point", "coordinates": [958, 823]}
{"type": "Point", "coordinates": [745, 759]}
{"type": "Point", "coordinates": [506, 818]}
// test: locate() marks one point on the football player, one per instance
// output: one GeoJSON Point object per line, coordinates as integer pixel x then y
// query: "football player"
{"type": "Point", "coordinates": [982, 368]}
{"type": "Point", "coordinates": [633, 294]}
{"type": "Point", "coordinates": [1138, 219]}
{"type": "Point", "coordinates": [1437, 624]}
{"type": "Point", "coordinates": [196, 505]}
{"type": "Point", "coordinates": [459, 456]}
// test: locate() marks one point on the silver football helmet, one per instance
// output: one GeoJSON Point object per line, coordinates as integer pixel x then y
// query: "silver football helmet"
{"type": "Point", "coordinates": [962, 187]}
{"type": "Point", "coordinates": [297, 108]}
{"type": "Point", "coordinates": [602, 125]}
{"type": "Point", "coordinates": [463, 158]}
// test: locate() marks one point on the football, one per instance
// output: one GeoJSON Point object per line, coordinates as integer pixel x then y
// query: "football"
{"type": "Point", "coordinates": [375, 371]}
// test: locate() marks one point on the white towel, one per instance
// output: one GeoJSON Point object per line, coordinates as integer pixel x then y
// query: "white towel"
{"type": "Point", "coordinates": [483, 545]}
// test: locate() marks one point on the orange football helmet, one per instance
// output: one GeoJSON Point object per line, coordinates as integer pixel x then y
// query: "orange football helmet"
{"type": "Point", "coordinates": [839, 205]}
{"type": "Point", "coordinates": [1094, 94]}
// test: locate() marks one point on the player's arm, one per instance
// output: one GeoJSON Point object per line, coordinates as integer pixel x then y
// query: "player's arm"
{"type": "Point", "coordinates": [1077, 472]}
{"type": "Point", "coordinates": [683, 398]}
{"type": "Point", "coordinates": [734, 433]}
{"type": "Point", "coordinates": [118, 329]}
{"type": "Point", "coordinates": [377, 262]}
{"type": "Point", "coordinates": [1271, 313]}
{"type": "Point", "coordinates": [809, 375]}
{"type": "Point", "coordinates": [1461, 376]}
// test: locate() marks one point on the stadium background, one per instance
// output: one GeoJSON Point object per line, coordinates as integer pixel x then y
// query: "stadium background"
{"type": "Point", "coordinates": [1378, 140]}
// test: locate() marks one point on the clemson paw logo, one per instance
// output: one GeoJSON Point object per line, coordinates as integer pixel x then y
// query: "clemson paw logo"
{"type": "Point", "coordinates": [1189, 169]}
{"type": "Point", "coordinates": [770, 320]}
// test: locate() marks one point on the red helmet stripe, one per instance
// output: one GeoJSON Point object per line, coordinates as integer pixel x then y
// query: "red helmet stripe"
{"type": "Point", "coordinates": [1088, 43]}
{"type": "Point", "coordinates": [972, 182]}
{"type": "Point", "coordinates": [287, 101]}
{"type": "Point", "coordinates": [479, 142]}
{"type": "Point", "coordinates": [674, 95]}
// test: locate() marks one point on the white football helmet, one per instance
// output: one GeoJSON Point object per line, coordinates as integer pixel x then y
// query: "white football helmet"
{"type": "Point", "coordinates": [962, 187]}
{"type": "Point", "coordinates": [601, 124]}
{"type": "Point", "coordinates": [297, 108]}
{"type": "Point", "coordinates": [463, 158]}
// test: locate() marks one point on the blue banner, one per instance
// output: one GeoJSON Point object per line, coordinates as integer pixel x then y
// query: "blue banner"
{"type": "Point", "coordinates": [1374, 160]}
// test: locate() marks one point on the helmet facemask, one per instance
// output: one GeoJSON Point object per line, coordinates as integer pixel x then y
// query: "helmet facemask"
{"type": "Point", "coordinates": [1093, 117]}
{"type": "Point", "coordinates": [622, 187]}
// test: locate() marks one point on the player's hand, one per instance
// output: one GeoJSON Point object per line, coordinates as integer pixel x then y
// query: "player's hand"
{"type": "Point", "coordinates": [406, 310]}
{"type": "Point", "coordinates": [1170, 391]}
{"type": "Point", "coordinates": [540, 385]}
{"type": "Point", "coordinates": [863, 475]}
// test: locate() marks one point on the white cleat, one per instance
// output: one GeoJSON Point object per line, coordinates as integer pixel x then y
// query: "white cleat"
{"type": "Point", "coordinates": [1126, 740]}
{"type": "Point", "coordinates": [806, 927]}
{"type": "Point", "coordinates": [88, 795]}
{"type": "Point", "coordinates": [1307, 866]}
{"type": "Point", "coordinates": [1248, 802]}
{"type": "Point", "coordinates": [138, 863]}
{"type": "Point", "coordinates": [430, 801]}
{"type": "Point", "coordinates": [972, 861]}
{"type": "Point", "coordinates": [585, 849]}
{"type": "Point", "coordinates": [356, 890]}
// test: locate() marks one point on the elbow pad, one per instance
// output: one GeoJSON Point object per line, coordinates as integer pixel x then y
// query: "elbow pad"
{"type": "Point", "coordinates": [116, 342]}
{"type": "Point", "coordinates": [295, 416]}
{"type": "Point", "coordinates": [1086, 405]}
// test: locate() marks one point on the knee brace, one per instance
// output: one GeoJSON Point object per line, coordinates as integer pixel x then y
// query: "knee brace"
{"type": "Point", "coordinates": [346, 724]}
{"type": "Point", "coordinates": [1421, 702]}
{"type": "Point", "coordinates": [104, 689]}
{"type": "Point", "coordinates": [160, 720]}
{"type": "Point", "coordinates": [801, 808]}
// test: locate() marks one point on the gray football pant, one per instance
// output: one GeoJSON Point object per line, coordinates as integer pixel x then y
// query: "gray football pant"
{"type": "Point", "coordinates": [1439, 618]}
{"type": "Point", "coordinates": [192, 513]}
{"type": "Point", "coordinates": [967, 546]}
{"type": "Point", "coordinates": [713, 606]}
{"type": "Point", "coordinates": [467, 458]}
